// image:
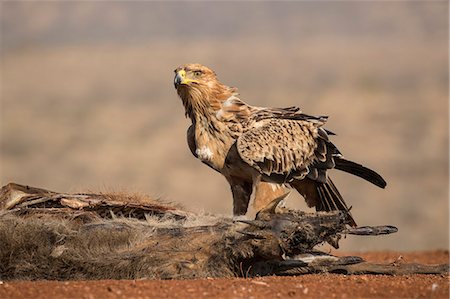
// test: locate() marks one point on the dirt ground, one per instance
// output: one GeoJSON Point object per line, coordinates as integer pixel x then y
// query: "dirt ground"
{"type": "Point", "coordinates": [307, 286]}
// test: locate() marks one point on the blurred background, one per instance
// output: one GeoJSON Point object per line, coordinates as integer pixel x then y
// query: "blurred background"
{"type": "Point", "coordinates": [88, 103]}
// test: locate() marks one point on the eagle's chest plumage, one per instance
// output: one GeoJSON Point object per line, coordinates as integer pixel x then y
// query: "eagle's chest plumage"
{"type": "Point", "coordinates": [216, 125]}
{"type": "Point", "coordinates": [213, 140]}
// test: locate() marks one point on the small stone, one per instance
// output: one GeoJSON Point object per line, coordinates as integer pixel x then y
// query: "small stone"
{"type": "Point", "coordinates": [259, 283]}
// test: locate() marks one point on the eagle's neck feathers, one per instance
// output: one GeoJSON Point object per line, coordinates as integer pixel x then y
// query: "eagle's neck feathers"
{"type": "Point", "coordinates": [217, 115]}
{"type": "Point", "coordinates": [202, 101]}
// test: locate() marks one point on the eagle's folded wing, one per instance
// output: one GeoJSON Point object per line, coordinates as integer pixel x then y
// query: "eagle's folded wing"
{"type": "Point", "coordinates": [284, 147]}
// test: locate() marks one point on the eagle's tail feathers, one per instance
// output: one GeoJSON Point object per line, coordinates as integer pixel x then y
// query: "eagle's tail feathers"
{"type": "Point", "coordinates": [359, 170]}
{"type": "Point", "coordinates": [331, 200]}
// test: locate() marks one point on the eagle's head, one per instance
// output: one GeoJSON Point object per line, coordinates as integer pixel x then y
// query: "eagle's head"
{"type": "Point", "coordinates": [193, 75]}
{"type": "Point", "coordinates": [199, 88]}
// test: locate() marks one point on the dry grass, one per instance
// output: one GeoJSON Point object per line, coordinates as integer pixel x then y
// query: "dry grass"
{"type": "Point", "coordinates": [43, 247]}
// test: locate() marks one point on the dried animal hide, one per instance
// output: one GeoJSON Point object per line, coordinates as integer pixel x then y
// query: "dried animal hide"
{"type": "Point", "coordinates": [49, 235]}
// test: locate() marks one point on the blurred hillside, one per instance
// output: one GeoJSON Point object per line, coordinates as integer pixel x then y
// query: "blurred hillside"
{"type": "Point", "coordinates": [87, 99]}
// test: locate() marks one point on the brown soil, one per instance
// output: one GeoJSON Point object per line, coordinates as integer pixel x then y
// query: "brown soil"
{"type": "Point", "coordinates": [307, 286]}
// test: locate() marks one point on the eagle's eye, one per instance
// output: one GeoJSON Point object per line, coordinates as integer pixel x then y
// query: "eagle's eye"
{"type": "Point", "coordinates": [197, 73]}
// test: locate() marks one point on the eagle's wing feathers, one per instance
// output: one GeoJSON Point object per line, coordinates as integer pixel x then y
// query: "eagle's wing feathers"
{"type": "Point", "coordinates": [284, 148]}
{"type": "Point", "coordinates": [191, 140]}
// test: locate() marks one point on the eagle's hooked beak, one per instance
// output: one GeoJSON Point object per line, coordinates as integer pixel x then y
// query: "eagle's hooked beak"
{"type": "Point", "coordinates": [180, 79]}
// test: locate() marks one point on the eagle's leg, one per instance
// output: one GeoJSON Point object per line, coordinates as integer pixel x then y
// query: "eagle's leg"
{"type": "Point", "coordinates": [242, 192]}
{"type": "Point", "coordinates": [265, 193]}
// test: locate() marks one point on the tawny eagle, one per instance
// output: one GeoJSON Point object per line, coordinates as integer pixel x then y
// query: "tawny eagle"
{"type": "Point", "coordinates": [260, 149]}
